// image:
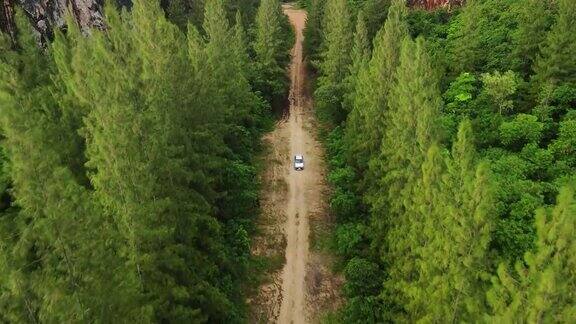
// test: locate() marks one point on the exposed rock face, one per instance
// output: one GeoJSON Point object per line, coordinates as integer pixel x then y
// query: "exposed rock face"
{"type": "Point", "coordinates": [46, 15]}
{"type": "Point", "coordinates": [49, 14]}
{"type": "Point", "coordinates": [433, 4]}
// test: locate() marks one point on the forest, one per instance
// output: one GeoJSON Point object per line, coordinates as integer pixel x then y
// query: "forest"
{"type": "Point", "coordinates": [129, 136]}
{"type": "Point", "coordinates": [127, 162]}
{"type": "Point", "coordinates": [451, 138]}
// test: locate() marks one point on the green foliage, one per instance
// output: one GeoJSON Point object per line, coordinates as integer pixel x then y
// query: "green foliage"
{"type": "Point", "coordinates": [458, 232]}
{"type": "Point", "coordinates": [431, 207]}
{"type": "Point", "coordinates": [53, 253]}
{"type": "Point", "coordinates": [366, 122]}
{"type": "Point", "coordinates": [524, 129]}
{"type": "Point", "coordinates": [500, 87]}
{"type": "Point", "coordinates": [375, 13]}
{"type": "Point", "coordinates": [335, 61]}
{"type": "Point", "coordinates": [564, 146]}
{"type": "Point", "coordinates": [556, 64]}
{"type": "Point", "coordinates": [414, 106]}
{"type": "Point", "coordinates": [336, 43]}
{"type": "Point", "coordinates": [180, 12]}
{"type": "Point", "coordinates": [273, 40]}
{"type": "Point", "coordinates": [360, 57]}
{"type": "Point", "coordinates": [535, 17]}
{"type": "Point", "coordinates": [542, 290]}
{"type": "Point", "coordinates": [5, 199]}
{"type": "Point", "coordinates": [313, 30]}
{"type": "Point", "coordinates": [434, 26]}
{"type": "Point", "coordinates": [361, 49]}
{"type": "Point", "coordinates": [350, 239]}
{"type": "Point", "coordinates": [129, 153]}
{"type": "Point", "coordinates": [480, 38]}
{"type": "Point", "coordinates": [362, 278]}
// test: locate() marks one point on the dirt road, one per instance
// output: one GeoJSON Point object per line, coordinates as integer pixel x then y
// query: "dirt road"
{"type": "Point", "coordinates": [293, 309]}
{"type": "Point", "coordinates": [294, 205]}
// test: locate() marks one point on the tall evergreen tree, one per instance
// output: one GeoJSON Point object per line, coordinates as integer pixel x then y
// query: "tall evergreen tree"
{"type": "Point", "coordinates": [360, 57]}
{"type": "Point", "coordinates": [361, 49]}
{"type": "Point", "coordinates": [57, 267]}
{"type": "Point", "coordinates": [535, 18]}
{"type": "Point", "coordinates": [366, 122]}
{"type": "Point", "coordinates": [337, 41]}
{"type": "Point", "coordinates": [480, 38]}
{"type": "Point", "coordinates": [142, 125]}
{"type": "Point", "coordinates": [313, 30]}
{"type": "Point", "coordinates": [428, 203]}
{"type": "Point", "coordinates": [241, 45]}
{"type": "Point", "coordinates": [241, 106]}
{"type": "Point", "coordinates": [556, 64]}
{"type": "Point", "coordinates": [458, 230]}
{"type": "Point", "coordinates": [129, 132]}
{"type": "Point", "coordinates": [543, 290]}
{"type": "Point", "coordinates": [335, 60]}
{"type": "Point", "coordinates": [271, 47]}
{"type": "Point", "coordinates": [224, 64]}
{"type": "Point", "coordinates": [375, 13]}
{"type": "Point", "coordinates": [414, 105]}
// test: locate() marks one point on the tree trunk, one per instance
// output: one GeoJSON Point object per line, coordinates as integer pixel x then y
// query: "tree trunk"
{"type": "Point", "coordinates": [7, 17]}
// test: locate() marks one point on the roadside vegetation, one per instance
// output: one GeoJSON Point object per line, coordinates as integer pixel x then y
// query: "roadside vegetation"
{"type": "Point", "coordinates": [450, 138]}
{"type": "Point", "coordinates": [127, 175]}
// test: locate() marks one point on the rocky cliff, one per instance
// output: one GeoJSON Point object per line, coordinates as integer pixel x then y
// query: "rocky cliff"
{"type": "Point", "coordinates": [45, 15]}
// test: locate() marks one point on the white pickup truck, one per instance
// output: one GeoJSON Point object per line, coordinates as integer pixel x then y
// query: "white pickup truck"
{"type": "Point", "coordinates": [298, 162]}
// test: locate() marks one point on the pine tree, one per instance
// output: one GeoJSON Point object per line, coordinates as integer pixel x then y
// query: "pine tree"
{"type": "Point", "coordinates": [243, 107]}
{"type": "Point", "coordinates": [313, 30]}
{"type": "Point", "coordinates": [360, 57]}
{"type": "Point", "coordinates": [335, 61]}
{"type": "Point", "coordinates": [480, 37]}
{"type": "Point", "coordinates": [181, 12]}
{"type": "Point", "coordinates": [142, 201]}
{"type": "Point", "coordinates": [375, 13]}
{"type": "Point", "coordinates": [366, 122]}
{"type": "Point", "coordinates": [58, 268]}
{"type": "Point", "coordinates": [556, 63]}
{"type": "Point", "coordinates": [147, 147]}
{"type": "Point", "coordinates": [543, 290]}
{"type": "Point", "coordinates": [414, 105]}
{"type": "Point", "coordinates": [535, 18]}
{"type": "Point", "coordinates": [337, 41]}
{"type": "Point", "coordinates": [224, 64]}
{"type": "Point", "coordinates": [464, 42]}
{"type": "Point", "coordinates": [455, 256]}
{"type": "Point", "coordinates": [427, 229]}
{"type": "Point", "coordinates": [148, 141]}
{"type": "Point", "coordinates": [271, 48]}
{"type": "Point", "coordinates": [241, 43]}
{"type": "Point", "coordinates": [361, 49]}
